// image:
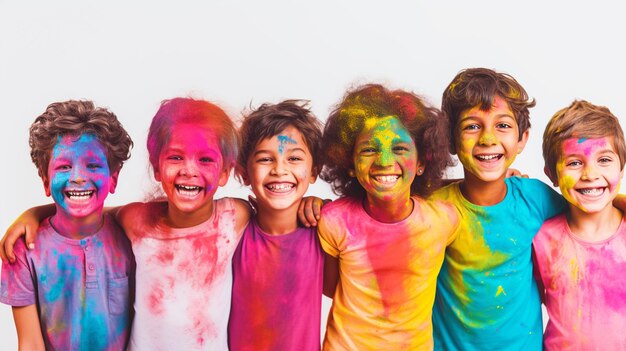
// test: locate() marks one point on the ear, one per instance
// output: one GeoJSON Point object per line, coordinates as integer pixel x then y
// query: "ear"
{"type": "Point", "coordinates": [157, 175]}
{"type": "Point", "coordinates": [243, 173]}
{"type": "Point", "coordinates": [314, 174]}
{"type": "Point", "coordinates": [552, 177]}
{"type": "Point", "coordinates": [46, 185]}
{"type": "Point", "coordinates": [224, 174]}
{"type": "Point", "coordinates": [351, 173]}
{"type": "Point", "coordinates": [522, 142]}
{"type": "Point", "coordinates": [113, 182]}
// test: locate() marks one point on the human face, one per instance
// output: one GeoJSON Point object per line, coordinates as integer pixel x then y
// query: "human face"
{"type": "Point", "coordinates": [385, 159]}
{"type": "Point", "coordinates": [191, 168]}
{"type": "Point", "coordinates": [589, 173]}
{"type": "Point", "coordinates": [488, 141]}
{"type": "Point", "coordinates": [79, 178]}
{"type": "Point", "coordinates": [280, 170]}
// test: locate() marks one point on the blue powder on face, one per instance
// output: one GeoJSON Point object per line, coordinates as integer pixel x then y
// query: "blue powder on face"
{"type": "Point", "coordinates": [282, 141]}
{"type": "Point", "coordinates": [582, 140]}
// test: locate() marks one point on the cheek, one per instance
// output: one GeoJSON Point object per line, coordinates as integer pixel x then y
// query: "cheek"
{"type": "Point", "coordinates": [566, 182]}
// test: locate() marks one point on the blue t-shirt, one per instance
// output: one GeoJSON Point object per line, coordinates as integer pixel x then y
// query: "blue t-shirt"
{"type": "Point", "coordinates": [486, 297]}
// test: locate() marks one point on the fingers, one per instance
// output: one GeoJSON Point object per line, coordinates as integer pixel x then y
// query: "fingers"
{"type": "Point", "coordinates": [303, 217]}
{"type": "Point", "coordinates": [3, 254]}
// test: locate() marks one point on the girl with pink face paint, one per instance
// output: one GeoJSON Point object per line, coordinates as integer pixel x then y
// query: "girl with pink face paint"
{"type": "Point", "coordinates": [385, 151]}
{"type": "Point", "coordinates": [580, 255]}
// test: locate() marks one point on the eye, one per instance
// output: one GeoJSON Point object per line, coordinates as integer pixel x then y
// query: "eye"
{"type": "Point", "coordinates": [368, 150]}
{"type": "Point", "coordinates": [63, 168]}
{"type": "Point", "coordinates": [295, 158]}
{"type": "Point", "coordinates": [175, 157]}
{"type": "Point", "coordinates": [401, 149]}
{"type": "Point", "coordinates": [503, 125]}
{"type": "Point", "coordinates": [470, 127]}
{"type": "Point", "coordinates": [605, 160]}
{"type": "Point", "coordinates": [206, 159]}
{"type": "Point", "coordinates": [264, 159]}
{"type": "Point", "coordinates": [574, 163]}
{"type": "Point", "coordinates": [94, 165]}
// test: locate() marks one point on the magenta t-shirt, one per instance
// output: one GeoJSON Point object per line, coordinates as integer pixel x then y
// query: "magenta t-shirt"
{"type": "Point", "coordinates": [277, 291]}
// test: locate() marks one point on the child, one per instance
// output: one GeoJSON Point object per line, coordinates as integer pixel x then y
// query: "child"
{"type": "Point", "coordinates": [581, 255]}
{"type": "Point", "coordinates": [385, 151]}
{"type": "Point", "coordinates": [278, 266]}
{"type": "Point", "coordinates": [184, 246]}
{"type": "Point", "coordinates": [486, 296]}
{"type": "Point", "coordinates": [73, 293]}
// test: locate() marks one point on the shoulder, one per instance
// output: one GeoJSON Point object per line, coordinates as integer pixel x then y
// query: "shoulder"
{"type": "Point", "coordinates": [136, 216]}
{"type": "Point", "coordinates": [242, 212]}
{"type": "Point", "coordinates": [552, 226]}
{"type": "Point", "coordinates": [340, 205]}
{"type": "Point", "coordinates": [438, 211]}
{"type": "Point", "coordinates": [448, 192]}
{"type": "Point", "coordinates": [529, 184]}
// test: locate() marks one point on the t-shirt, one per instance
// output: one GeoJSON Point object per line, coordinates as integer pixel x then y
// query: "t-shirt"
{"type": "Point", "coordinates": [184, 279]}
{"type": "Point", "coordinates": [277, 291]}
{"type": "Point", "coordinates": [80, 286]}
{"type": "Point", "coordinates": [387, 274]}
{"type": "Point", "coordinates": [487, 298]}
{"type": "Point", "coordinates": [585, 288]}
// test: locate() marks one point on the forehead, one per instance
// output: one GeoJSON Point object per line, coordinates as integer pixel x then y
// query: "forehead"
{"type": "Point", "coordinates": [193, 137]}
{"type": "Point", "coordinates": [78, 146]}
{"type": "Point", "coordinates": [585, 146]}
{"type": "Point", "coordinates": [289, 137]}
{"type": "Point", "coordinates": [499, 107]}
{"type": "Point", "coordinates": [384, 129]}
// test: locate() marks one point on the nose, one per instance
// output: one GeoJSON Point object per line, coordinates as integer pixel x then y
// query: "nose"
{"type": "Point", "coordinates": [589, 172]}
{"type": "Point", "coordinates": [279, 168]}
{"type": "Point", "coordinates": [189, 169]}
{"type": "Point", "coordinates": [487, 138]}
{"type": "Point", "coordinates": [385, 158]}
{"type": "Point", "coordinates": [77, 175]}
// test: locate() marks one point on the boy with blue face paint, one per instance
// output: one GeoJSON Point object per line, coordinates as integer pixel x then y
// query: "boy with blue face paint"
{"type": "Point", "coordinates": [74, 291]}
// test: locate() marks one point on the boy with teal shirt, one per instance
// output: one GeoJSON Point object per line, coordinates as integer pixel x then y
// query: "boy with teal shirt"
{"type": "Point", "coordinates": [486, 297]}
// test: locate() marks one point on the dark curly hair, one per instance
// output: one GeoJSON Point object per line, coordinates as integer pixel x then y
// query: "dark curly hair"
{"type": "Point", "coordinates": [478, 87]}
{"type": "Point", "coordinates": [76, 118]}
{"type": "Point", "coordinates": [269, 120]}
{"type": "Point", "coordinates": [426, 125]}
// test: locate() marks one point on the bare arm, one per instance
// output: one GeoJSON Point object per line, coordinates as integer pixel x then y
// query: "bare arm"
{"type": "Point", "coordinates": [28, 329]}
{"type": "Point", "coordinates": [26, 224]}
{"type": "Point", "coordinates": [331, 275]}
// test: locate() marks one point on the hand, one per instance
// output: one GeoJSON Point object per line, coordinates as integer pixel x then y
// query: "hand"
{"type": "Point", "coordinates": [512, 172]}
{"type": "Point", "coordinates": [15, 231]}
{"type": "Point", "coordinates": [310, 209]}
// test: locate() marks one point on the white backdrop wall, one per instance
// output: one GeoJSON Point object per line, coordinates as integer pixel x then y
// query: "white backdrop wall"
{"type": "Point", "coordinates": [128, 56]}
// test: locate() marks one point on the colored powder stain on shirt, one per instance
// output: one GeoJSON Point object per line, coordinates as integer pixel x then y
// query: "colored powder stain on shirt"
{"type": "Point", "coordinates": [283, 140]}
{"type": "Point", "coordinates": [500, 291]}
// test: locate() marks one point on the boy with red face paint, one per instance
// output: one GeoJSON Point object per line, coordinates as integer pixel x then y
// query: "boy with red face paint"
{"type": "Point", "coordinates": [74, 292]}
{"type": "Point", "coordinates": [581, 255]}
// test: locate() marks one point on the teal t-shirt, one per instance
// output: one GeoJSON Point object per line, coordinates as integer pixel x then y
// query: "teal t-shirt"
{"type": "Point", "coordinates": [487, 298]}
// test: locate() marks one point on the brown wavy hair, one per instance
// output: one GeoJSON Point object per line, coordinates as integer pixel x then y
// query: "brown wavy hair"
{"type": "Point", "coordinates": [426, 125]}
{"type": "Point", "coordinates": [478, 87]}
{"type": "Point", "coordinates": [269, 120]}
{"type": "Point", "coordinates": [77, 117]}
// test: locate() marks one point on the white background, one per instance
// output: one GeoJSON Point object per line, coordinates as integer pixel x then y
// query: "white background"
{"type": "Point", "coordinates": [128, 56]}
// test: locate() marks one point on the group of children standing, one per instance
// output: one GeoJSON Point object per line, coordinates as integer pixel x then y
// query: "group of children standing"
{"type": "Point", "coordinates": [410, 264]}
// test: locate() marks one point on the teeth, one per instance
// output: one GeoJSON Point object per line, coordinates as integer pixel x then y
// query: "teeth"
{"type": "Point", "coordinates": [188, 190]}
{"type": "Point", "coordinates": [487, 157]}
{"type": "Point", "coordinates": [280, 187]}
{"type": "Point", "coordinates": [387, 178]}
{"type": "Point", "coordinates": [591, 191]}
{"type": "Point", "coordinates": [79, 195]}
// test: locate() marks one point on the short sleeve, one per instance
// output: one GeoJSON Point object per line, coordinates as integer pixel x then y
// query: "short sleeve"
{"type": "Point", "coordinates": [18, 286]}
{"type": "Point", "coordinates": [551, 203]}
{"type": "Point", "coordinates": [327, 240]}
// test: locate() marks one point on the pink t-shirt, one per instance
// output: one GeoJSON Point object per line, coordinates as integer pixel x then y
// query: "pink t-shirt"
{"type": "Point", "coordinates": [184, 279]}
{"type": "Point", "coordinates": [277, 291]}
{"type": "Point", "coordinates": [585, 288]}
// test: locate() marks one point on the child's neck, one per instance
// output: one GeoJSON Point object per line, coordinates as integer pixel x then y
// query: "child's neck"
{"type": "Point", "coordinates": [277, 222]}
{"type": "Point", "coordinates": [483, 193]}
{"type": "Point", "coordinates": [388, 211]}
{"type": "Point", "coordinates": [596, 226]}
{"type": "Point", "coordinates": [180, 219]}
{"type": "Point", "coordinates": [76, 228]}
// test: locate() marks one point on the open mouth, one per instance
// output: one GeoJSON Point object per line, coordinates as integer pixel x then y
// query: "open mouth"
{"type": "Point", "coordinates": [591, 191]}
{"type": "Point", "coordinates": [488, 158]}
{"type": "Point", "coordinates": [386, 179]}
{"type": "Point", "coordinates": [79, 195]}
{"type": "Point", "coordinates": [188, 190]}
{"type": "Point", "coordinates": [280, 187]}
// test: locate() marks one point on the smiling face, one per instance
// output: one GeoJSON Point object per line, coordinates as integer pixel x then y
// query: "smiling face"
{"type": "Point", "coordinates": [589, 173]}
{"type": "Point", "coordinates": [79, 178]}
{"type": "Point", "coordinates": [488, 141]}
{"type": "Point", "coordinates": [190, 170]}
{"type": "Point", "coordinates": [279, 170]}
{"type": "Point", "coordinates": [385, 159]}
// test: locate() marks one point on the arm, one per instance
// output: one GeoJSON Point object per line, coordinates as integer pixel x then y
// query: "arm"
{"type": "Point", "coordinates": [331, 275]}
{"type": "Point", "coordinates": [28, 329]}
{"type": "Point", "coordinates": [310, 209]}
{"type": "Point", "coordinates": [26, 224]}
